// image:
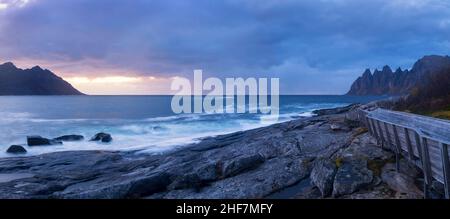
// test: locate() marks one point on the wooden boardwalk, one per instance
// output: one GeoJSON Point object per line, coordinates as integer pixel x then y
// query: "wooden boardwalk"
{"type": "Point", "coordinates": [422, 140]}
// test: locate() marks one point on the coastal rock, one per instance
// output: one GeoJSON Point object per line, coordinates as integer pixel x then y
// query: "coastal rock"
{"type": "Point", "coordinates": [208, 172]}
{"type": "Point", "coordinates": [103, 137]}
{"type": "Point", "coordinates": [351, 176]}
{"type": "Point", "coordinates": [37, 140]}
{"type": "Point", "coordinates": [190, 180]}
{"type": "Point", "coordinates": [335, 127]}
{"type": "Point", "coordinates": [16, 149]}
{"type": "Point", "coordinates": [379, 192]}
{"type": "Point", "coordinates": [241, 164]}
{"type": "Point", "coordinates": [119, 188]}
{"type": "Point", "coordinates": [365, 147]}
{"type": "Point", "coordinates": [269, 177]}
{"type": "Point", "coordinates": [400, 182]}
{"type": "Point", "coordinates": [336, 110]}
{"type": "Point", "coordinates": [322, 175]}
{"type": "Point", "coordinates": [250, 164]}
{"type": "Point", "coordinates": [69, 138]}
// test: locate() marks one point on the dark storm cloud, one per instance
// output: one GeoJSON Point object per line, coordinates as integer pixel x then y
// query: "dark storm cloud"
{"type": "Point", "coordinates": [314, 46]}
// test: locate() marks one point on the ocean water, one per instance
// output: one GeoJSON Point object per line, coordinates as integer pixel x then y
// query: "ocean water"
{"type": "Point", "coordinates": [144, 123]}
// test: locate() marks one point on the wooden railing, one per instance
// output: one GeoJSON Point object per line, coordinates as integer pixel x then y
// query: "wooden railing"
{"type": "Point", "coordinates": [422, 140]}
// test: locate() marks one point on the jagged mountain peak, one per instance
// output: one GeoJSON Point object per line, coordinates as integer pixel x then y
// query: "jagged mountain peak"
{"type": "Point", "coordinates": [386, 68]}
{"type": "Point", "coordinates": [8, 66]}
{"type": "Point", "coordinates": [386, 82]}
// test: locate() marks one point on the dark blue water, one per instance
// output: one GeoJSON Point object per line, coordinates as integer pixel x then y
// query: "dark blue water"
{"type": "Point", "coordinates": [136, 122]}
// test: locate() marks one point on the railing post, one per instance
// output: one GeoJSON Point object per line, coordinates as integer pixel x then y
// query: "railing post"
{"type": "Point", "coordinates": [380, 131]}
{"type": "Point", "coordinates": [445, 169]}
{"type": "Point", "coordinates": [392, 147]}
{"type": "Point", "coordinates": [374, 129]}
{"type": "Point", "coordinates": [369, 127]}
{"type": "Point", "coordinates": [397, 147]}
{"type": "Point", "coordinates": [408, 144]}
{"type": "Point", "coordinates": [426, 165]}
{"type": "Point", "coordinates": [419, 146]}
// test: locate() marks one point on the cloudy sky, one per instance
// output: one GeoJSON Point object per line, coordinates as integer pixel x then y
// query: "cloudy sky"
{"type": "Point", "coordinates": [137, 47]}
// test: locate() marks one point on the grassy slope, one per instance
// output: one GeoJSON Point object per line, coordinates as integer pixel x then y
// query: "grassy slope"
{"type": "Point", "coordinates": [433, 99]}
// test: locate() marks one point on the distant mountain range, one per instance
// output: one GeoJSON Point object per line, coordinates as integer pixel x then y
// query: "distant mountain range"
{"type": "Point", "coordinates": [34, 81]}
{"type": "Point", "coordinates": [387, 82]}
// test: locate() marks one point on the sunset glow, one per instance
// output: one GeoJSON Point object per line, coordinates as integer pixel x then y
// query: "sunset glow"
{"type": "Point", "coordinates": [125, 85]}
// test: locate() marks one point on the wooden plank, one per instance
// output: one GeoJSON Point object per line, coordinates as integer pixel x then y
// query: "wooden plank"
{"type": "Point", "coordinates": [426, 161]}
{"type": "Point", "coordinates": [397, 140]}
{"type": "Point", "coordinates": [388, 136]}
{"type": "Point", "coordinates": [397, 147]}
{"type": "Point", "coordinates": [446, 169]}
{"type": "Point", "coordinates": [380, 131]}
{"type": "Point", "coordinates": [408, 144]}
{"type": "Point", "coordinates": [435, 128]}
{"type": "Point", "coordinates": [374, 130]}
{"type": "Point", "coordinates": [418, 145]}
{"type": "Point", "coordinates": [369, 127]}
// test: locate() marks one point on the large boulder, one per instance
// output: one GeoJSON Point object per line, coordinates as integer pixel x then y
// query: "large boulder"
{"type": "Point", "coordinates": [69, 138]}
{"type": "Point", "coordinates": [37, 140]}
{"type": "Point", "coordinates": [322, 175]}
{"type": "Point", "coordinates": [351, 176]}
{"type": "Point", "coordinates": [103, 137]}
{"type": "Point", "coordinates": [16, 149]}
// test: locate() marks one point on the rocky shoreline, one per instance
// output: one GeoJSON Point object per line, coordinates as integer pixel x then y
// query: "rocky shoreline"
{"type": "Point", "coordinates": [327, 156]}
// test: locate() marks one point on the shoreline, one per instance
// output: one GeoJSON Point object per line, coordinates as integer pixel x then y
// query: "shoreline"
{"type": "Point", "coordinates": [256, 163]}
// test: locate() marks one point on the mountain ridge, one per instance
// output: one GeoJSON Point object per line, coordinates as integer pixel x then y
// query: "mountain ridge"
{"type": "Point", "coordinates": [398, 82]}
{"type": "Point", "coordinates": [32, 81]}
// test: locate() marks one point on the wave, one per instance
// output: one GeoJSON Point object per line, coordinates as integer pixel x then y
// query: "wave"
{"type": "Point", "coordinates": [148, 135]}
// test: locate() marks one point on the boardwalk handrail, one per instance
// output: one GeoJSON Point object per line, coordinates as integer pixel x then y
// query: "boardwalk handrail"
{"type": "Point", "coordinates": [426, 149]}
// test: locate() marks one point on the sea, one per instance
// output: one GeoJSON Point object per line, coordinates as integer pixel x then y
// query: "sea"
{"type": "Point", "coordinates": [145, 124]}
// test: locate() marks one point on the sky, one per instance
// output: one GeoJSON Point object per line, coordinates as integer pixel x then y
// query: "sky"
{"type": "Point", "coordinates": [139, 46]}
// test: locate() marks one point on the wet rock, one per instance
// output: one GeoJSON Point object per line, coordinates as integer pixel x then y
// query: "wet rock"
{"type": "Point", "coordinates": [322, 175]}
{"type": "Point", "coordinates": [103, 137]}
{"type": "Point", "coordinates": [351, 176]}
{"type": "Point", "coordinates": [16, 149]}
{"type": "Point", "coordinates": [70, 138]}
{"type": "Point", "coordinates": [241, 164]}
{"type": "Point", "coordinates": [37, 140]}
